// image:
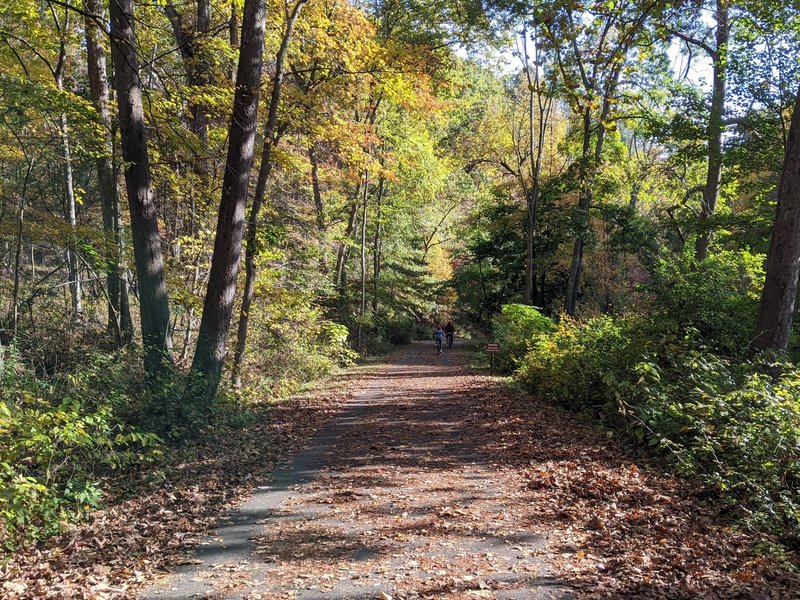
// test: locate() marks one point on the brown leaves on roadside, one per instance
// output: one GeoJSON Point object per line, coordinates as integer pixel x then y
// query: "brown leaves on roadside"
{"type": "Point", "coordinates": [152, 522]}
{"type": "Point", "coordinates": [626, 529]}
{"type": "Point", "coordinates": [447, 486]}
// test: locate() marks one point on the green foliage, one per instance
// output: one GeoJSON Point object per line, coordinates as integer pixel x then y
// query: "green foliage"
{"type": "Point", "coordinates": [294, 344]}
{"type": "Point", "coordinates": [58, 437]}
{"type": "Point", "coordinates": [716, 297]}
{"type": "Point", "coordinates": [581, 362]}
{"type": "Point", "coordinates": [516, 327]}
{"type": "Point", "coordinates": [735, 426]}
{"type": "Point", "coordinates": [718, 418]}
{"type": "Point", "coordinates": [401, 330]}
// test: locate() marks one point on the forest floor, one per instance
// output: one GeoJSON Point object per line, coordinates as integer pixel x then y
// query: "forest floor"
{"type": "Point", "coordinates": [419, 479]}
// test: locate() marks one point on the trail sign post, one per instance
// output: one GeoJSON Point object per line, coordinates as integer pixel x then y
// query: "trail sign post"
{"type": "Point", "coordinates": [492, 348]}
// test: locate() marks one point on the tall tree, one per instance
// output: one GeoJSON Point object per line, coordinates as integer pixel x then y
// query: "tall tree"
{"type": "Point", "coordinates": [777, 307]}
{"type": "Point", "coordinates": [591, 52]}
{"type": "Point", "coordinates": [717, 51]}
{"type": "Point", "coordinates": [153, 301]}
{"type": "Point", "coordinates": [119, 319]}
{"type": "Point", "coordinates": [251, 243]}
{"type": "Point", "coordinates": [215, 324]}
{"type": "Point", "coordinates": [540, 102]}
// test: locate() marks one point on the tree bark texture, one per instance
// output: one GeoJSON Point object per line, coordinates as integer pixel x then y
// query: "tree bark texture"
{"type": "Point", "coordinates": [777, 307]}
{"type": "Point", "coordinates": [218, 306]}
{"type": "Point", "coordinates": [264, 171]}
{"type": "Point", "coordinates": [153, 301]}
{"type": "Point", "coordinates": [106, 179]}
{"type": "Point", "coordinates": [714, 131]}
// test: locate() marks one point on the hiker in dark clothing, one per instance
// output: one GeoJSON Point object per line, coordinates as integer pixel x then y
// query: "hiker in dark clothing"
{"type": "Point", "coordinates": [449, 332]}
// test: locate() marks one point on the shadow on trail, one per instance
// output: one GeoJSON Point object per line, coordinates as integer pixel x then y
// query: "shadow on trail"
{"type": "Point", "coordinates": [404, 469]}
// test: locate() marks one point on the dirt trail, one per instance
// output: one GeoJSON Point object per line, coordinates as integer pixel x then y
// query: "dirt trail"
{"type": "Point", "coordinates": [401, 495]}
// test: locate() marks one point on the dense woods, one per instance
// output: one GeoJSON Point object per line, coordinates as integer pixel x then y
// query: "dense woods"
{"type": "Point", "coordinates": [206, 205]}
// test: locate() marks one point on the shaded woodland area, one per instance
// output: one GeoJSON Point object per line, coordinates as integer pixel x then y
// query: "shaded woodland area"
{"type": "Point", "coordinates": [206, 205]}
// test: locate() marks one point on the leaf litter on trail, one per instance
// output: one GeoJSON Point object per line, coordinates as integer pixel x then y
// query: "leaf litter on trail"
{"type": "Point", "coordinates": [148, 527]}
{"type": "Point", "coordinates": [467, 494]}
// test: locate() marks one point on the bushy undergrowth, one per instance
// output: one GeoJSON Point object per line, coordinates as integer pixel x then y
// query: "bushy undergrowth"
{"type": "Point", "coordinates": [731, 423]}
{"type": "Point", "coordinates": [717, 298]}
{"type": "Point", "coordinates": [516, 326]}
{"type": "Point", "coordinates": [291, 344]}
{"type": "Point", "coordinates": [677, 379]}
{"type": "Point", "coordinates": [65, 431]}
{"type": "Point", "coordinates": [59, 436]}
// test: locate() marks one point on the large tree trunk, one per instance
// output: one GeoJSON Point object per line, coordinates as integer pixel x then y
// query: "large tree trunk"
{"type": "Point", "coordinates": [106, 179]}
{"type": "Point", "coordinates": [264, 171]}
{"type": "Point", "coordinates": [776, 311]}
{"type": "Point", "coordinates": [714, 131]}
{"type": "Point", "coordinates": [215, 324]}
{"type": "Point", "coordinates": [153, 301]}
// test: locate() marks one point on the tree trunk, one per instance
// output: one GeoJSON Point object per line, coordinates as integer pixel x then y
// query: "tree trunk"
{"type": "Point", "coordinates": [233, 36]}
{"type": "Point", "coordinates": [776, 311]}
{"type": "Point", "coordinates": [319, 206]}
{"type": "Point", "coordinates": [529, 292]}
{"type": "Point", "coordinates": [17, 264]}
{"type": "Point", "coordinates": [590, 164]}
{"type": "Point", "coordinates": [264, 171]}
{"type": "Point", "coordinates": [75, 290]}
{"type": "Point", "coordinates": [377, 246]}
{"type": "Point", "coordinates": [218, 307]}
{"type": "Point", "coordinates": [153, 301]}
{"type": "Point", "coordinates": [363, 307]}
{"type": "Point", "coordinates": [343, 252]}
{"type": "Point", "coordinates": [106, 179]}
{"type": "Point", "coordinates": [584, 202]}
{"type": "Point", "coordinates": [714, 131]}
{"type": "Point", "coordinates": [195, 59]}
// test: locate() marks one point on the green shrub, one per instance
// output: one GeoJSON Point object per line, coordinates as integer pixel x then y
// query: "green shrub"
{"type": "Point", "coordinates": [580, 362]}
{"type": "Point", "coordinates": [719, 418]}
{"type": "Point", "coordinates": [517, 327]}
{"type": "Point", "coordinates": [736, 427]}
{"type": "Point", "coordinates": [401, 330]}
{"type": "Point", "coordinates": [57, 438]}
{"type": "Point", "coordinates": [291, 344]}
{"type": "Point", "coordinates": [716, 298]}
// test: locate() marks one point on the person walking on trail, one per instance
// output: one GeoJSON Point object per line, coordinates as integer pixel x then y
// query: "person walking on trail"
{"type": "Point", "coordinates": [439, 338]}
{"type": "Point", "coordinates": [449, 332]}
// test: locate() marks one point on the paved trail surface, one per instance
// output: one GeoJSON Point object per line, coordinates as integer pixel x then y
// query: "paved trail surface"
{"type": "Point", "coordinates": [406, 494]}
